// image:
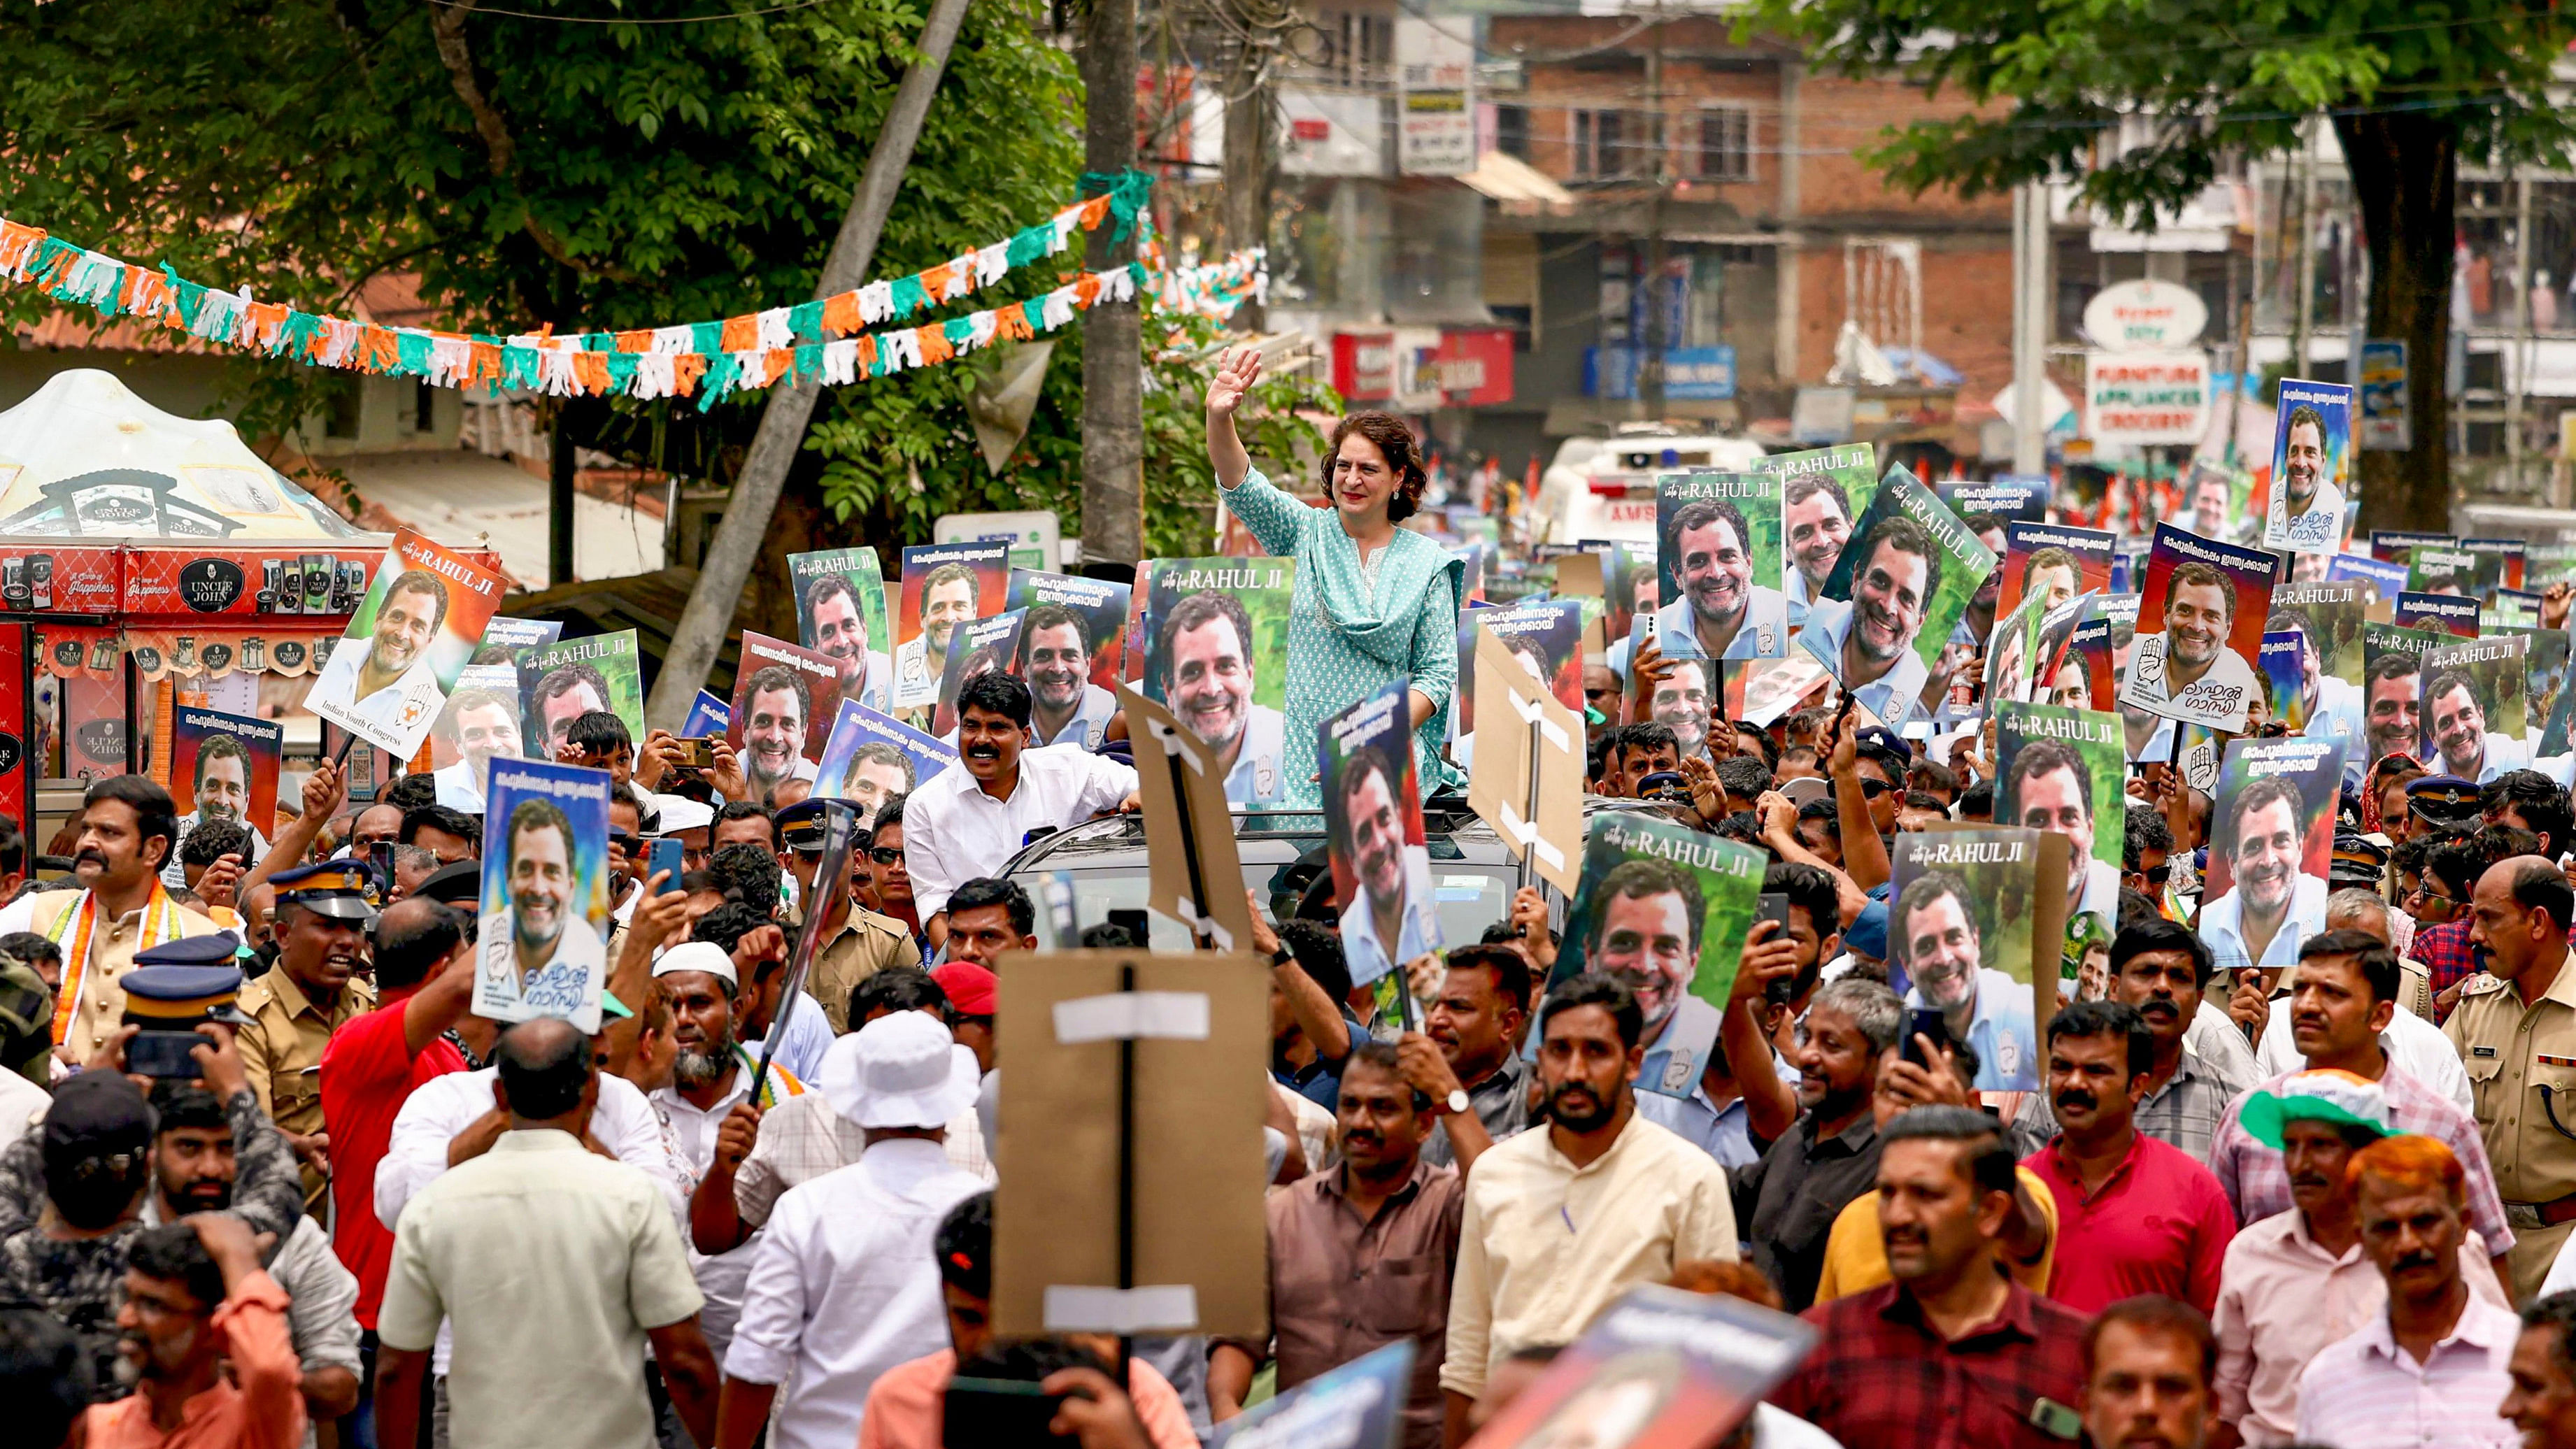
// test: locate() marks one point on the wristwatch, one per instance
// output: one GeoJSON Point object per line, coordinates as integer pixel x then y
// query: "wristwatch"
{"type": "Point", "coordinates": [1457, 1103]}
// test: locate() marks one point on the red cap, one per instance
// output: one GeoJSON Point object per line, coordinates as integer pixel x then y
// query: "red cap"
{"type": "Point", "coordinates": [969, 987]}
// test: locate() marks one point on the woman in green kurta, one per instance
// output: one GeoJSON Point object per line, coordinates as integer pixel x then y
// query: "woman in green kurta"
{"type": "Point", "coordinates": [1373, 602]}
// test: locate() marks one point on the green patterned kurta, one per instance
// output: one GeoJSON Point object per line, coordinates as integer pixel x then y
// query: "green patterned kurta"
{"type": "Point", "coordinates": [1353, 630]}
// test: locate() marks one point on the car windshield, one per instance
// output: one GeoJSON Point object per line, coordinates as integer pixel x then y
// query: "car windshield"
{"type": "Point", "coordinates": [1471, 898]}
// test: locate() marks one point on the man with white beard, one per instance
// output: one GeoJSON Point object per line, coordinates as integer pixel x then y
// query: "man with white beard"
{"type": "Point", "coordinates": [710, 1073]}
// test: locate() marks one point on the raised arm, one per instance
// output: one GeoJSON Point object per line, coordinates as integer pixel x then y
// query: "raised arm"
{"type": "Point", "coordinates": [1273, 516]}
{"type": "Point", "coordinates": [323, 794]}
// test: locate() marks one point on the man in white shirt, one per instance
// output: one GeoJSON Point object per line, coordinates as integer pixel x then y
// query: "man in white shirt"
{"type": "Point", "coordinates": [557, 1269]}
{"type": "Point", "coordinates": [1562, 1219]}
{"type": "Point", "coordinates": [844, 1286]}
{"type": "Point", "coordinates": [710, 1074]}
{"type": "Point", "coordinates": [966, 821]}
{"type": "Point", "coordinates": [2186, 670]}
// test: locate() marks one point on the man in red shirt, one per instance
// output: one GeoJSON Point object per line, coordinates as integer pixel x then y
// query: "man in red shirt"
{"type": "Point", "coordinates": [2133, 1214]}
{"type": "Point", "coordinates": [1952, 1354]}
{"type": "Point", "coordinates": [425, 981]}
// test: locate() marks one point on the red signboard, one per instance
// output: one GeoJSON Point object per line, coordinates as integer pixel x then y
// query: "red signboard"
{"type": "Point", "coordinates": [246, 582]}
{"type": "Point", "coordinates": [17, 731]}
{"type": "Point", "coordinates": [67, 578]}
{"type": "Point", "coordinates": [1475, 366]}
{"type": "Point", "coordinates": [1364, 366]}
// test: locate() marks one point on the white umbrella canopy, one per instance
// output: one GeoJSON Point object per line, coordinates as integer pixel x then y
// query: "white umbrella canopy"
{"type": "Point", "coordinates": [85, 458]}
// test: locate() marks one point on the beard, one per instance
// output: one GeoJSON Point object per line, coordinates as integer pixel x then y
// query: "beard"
{"type": "Point", "coordinates": [703, 1068]}
{"type": "Point", "coordinates": [1585, 1115]}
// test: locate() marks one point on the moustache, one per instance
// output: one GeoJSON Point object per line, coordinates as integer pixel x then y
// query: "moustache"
{"type": "Point", "coordinates": [90, 853]}
{"type": "Point", "coordinates": [2310, 1179]}
{"type": "Point", "coordinates": [982, 752]}
{"type": "Point", "coordinates": [1371, 1139]}
{"type": "Point", "coordinates": [2071, 1101]}
{"type": "Point", "coordinates": [2415, 1260]}
{"type": "Point", "coordinates": [2165, 1009]}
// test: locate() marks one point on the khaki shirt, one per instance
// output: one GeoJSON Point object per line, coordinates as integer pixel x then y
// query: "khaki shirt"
{"type": "Point", "coordinates": [281, 1052]}
{"type": "Point", "coordinates": [101, 1008]}
{"type": "Point", "coordinates": [866, 944]}
{"type": "Point", "coordinates": [2513, 1052]}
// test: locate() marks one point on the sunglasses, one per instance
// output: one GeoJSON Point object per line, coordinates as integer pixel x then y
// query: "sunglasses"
{"type": "Point", "coordinates": [884, 854]}
{"type": "Point", "coordinates": [2159, 875]}
{"type": "Point", "coordinates": [626, 843]}
{"type": "Point", "coordinates": [1869, 789]}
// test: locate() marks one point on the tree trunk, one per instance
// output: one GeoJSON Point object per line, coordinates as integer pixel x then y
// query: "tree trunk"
{"type": "Point", "coordinates": [2405, 175]}
{"type": "Point", "coordinates": [707, 620]}
{"type": "Point", "coordinates": [1251, 133]}
{"type": "Point", "coordinates": [1113, 369]}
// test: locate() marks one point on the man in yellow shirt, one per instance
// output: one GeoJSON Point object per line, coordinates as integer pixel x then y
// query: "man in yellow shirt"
{"type": "Point", "coordinates": [1856, 1259]}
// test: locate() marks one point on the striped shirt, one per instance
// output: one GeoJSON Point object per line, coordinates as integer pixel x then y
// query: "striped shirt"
{"type": "Point", "coordinates": [2367, 1393]}
{"type": "Point", "coordinates": [2254, 1180]}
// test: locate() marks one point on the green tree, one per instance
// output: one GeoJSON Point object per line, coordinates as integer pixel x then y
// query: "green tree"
{"type": "Point", "coordinates": [2411, 90]}
{"type": "Point", "coordinates": [543, 171]}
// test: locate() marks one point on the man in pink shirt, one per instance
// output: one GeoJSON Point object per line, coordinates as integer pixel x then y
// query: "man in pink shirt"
{"type": "Point", "coordinates": [907, 1405]}
{"type": "Point", "coordinates": [2133, 1214]}
{"type": "Point", "coordinates": [2299, 1280]}
{"type": "Point", "coordinates": [196, 1299]}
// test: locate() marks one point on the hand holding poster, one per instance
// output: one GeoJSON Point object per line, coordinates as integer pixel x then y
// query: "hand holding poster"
{"type": "Point", "coordinates": [559, 683]}
{"type": "Point", "coordinates": [2474, 709]}
{"type": "Point", "coordinates": [1666, 910]}
{"type": "Point", "coordinates": [841, 614]}
{"type": "Point", "coordinates": [227, 764]}
{"type": "Point", "coordinates": [869, 758]}
{"type": "Point", "coordinates": [1373, 820]}
{"type": "Point", "coordinates": [1821, 491]}
{"type": "Point", "coordinates": [417, 627]}
{"type": "Point", "coordinates": [1214, 649]}
{"type": "Point", "coordinates": [1069, 652]}
{"type": "Point", "coordinates": [944, 585]}
{"type": "Point", "coordinates": [1893, 598]}
{"type": "Point", "coordinates": [2200, 628]}
{"type": "Point", "coordinates": [1968, 906]}
{"type": "Point", "coordinates": [544, 944]}
{"type": "Point", "coordinates": [775, 732]}
{"type": "Point", "coordinates": [2311, 467]}
{"type": "Point", "coordinates": [2271, 844]}
{"type": "Point", "coordinates": [1716, 534]}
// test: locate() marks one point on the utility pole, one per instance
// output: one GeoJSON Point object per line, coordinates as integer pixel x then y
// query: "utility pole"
{"type": "Point", "coordinates": [1650, 365]}
{"type": "Point", "coordinates": [2305, 317]}
{"type": "Point", "coordinates": [708, 620]}
{"type": "Point", "coordinates": [1113, 367]}
{"type": "Point", "coordinates": [2030, 327]}
{"type": "Point", "coordinates": [1251, 131]}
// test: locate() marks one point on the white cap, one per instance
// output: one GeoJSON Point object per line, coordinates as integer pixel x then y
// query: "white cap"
{"type": "Point", "coordinates": [901, 1070]}
{"type": "Point", "coordinates": [697, 956]}
{"type": "Point", "coordinates": [679, 812]}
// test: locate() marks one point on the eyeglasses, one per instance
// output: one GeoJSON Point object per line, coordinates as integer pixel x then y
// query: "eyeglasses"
{"type": "Point", "coordinates": [884, 854]}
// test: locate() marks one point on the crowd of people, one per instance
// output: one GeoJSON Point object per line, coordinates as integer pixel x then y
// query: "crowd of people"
{"type": "Point", "coordinates": [267, 1180]}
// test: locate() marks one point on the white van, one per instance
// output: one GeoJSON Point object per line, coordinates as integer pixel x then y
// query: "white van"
{"type": "Point", "coordinates": [1605, 487]}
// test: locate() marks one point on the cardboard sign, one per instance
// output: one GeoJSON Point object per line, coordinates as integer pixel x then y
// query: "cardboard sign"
{"type": "Point", "coordinates": [1197, 1232]}
{"type": "Point", "coordinates": [1179, 779]}
{"type": "Point", "coordinates": [418, 625]}
{"type": "Point", "coordinates": [543, 947]}
{"type": "Point", "coordinates": [1499, 786]}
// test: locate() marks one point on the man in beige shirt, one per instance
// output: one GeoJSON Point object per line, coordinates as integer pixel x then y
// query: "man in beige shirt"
{"type": "Point", "coordinates": [1560, 1222]}
{"type": "Point", "coordinates": [310, 993]}
{"type": "Point", "coordinates": [857, 943]}
{"type": "Point", "coordinates": [127, 826]}
{"type": "Point", "coordinates": [2515, 1028]}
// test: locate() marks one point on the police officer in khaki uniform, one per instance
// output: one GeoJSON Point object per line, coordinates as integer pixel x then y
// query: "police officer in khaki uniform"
{"type": "Point", "coordinates": [857, 942]}
{"type": "Point", "coordinates": [2516, 1031]}
{"type": "Point", "coordinates": [312, 991]}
